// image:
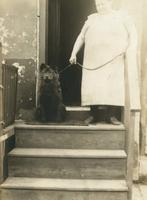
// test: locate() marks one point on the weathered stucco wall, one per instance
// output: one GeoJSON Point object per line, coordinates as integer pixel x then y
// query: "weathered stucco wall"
{"type": "Point", "coordinates": [18, 21]}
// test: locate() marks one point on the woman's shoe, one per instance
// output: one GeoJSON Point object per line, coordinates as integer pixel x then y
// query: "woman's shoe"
{"type": "Point", "coordinates": [114, 121]}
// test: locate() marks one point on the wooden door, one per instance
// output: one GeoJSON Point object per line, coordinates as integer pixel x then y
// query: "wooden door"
{"type": "Point", "coordinates": [65, 19]}
{"type": "Point", "coordinates": [73, 15]}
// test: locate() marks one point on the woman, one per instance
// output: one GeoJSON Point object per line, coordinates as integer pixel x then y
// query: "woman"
{"type": "Point", "coordinates": [110, 42]}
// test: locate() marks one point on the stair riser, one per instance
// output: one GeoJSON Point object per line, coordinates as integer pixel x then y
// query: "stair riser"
{"type": "Point", "coordinates": [74, 139]}
{"type": "Point", "coordinates": [61, 195]}
{"type": "Point", "coordinates": [67, 168]}
{"type": "Point", "coordinates": [77, 115]}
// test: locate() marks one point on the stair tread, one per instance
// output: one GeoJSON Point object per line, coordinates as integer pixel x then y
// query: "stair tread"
{"type": "Point", "coordinates": [77, 108]}
{"type": "Point", "coordinates": [64, 184]}
{"type": "Point", "coordinates": [98, 126]}
{"type": "Point", "coordinates": [65, 153]}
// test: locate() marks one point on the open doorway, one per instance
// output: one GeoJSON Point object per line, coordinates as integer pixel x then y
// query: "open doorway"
{"type": "Point", "coordinates": [65, 20]}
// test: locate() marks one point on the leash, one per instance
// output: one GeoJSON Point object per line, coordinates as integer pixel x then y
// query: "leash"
{"type": "Point", "coordinates": [91, 69]}
{"type": "Point", "coordinates": [96, 68]}
{"type": "Point", "coordinates": [65, 68]}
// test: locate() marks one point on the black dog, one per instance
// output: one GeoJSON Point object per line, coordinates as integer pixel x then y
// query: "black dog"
{"type": "Point", "coordinates": [51, 107]}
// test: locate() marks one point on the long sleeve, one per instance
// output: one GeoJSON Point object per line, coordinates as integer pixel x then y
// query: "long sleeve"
{"type": "Point", "coordinates": [80, 39]}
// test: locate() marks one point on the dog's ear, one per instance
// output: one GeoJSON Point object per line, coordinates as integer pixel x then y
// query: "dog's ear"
{"type": "Point", "coordinates": [42, 66]}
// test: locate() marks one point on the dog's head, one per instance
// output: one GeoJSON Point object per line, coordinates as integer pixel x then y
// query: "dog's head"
{"type": "Point", "coordinates": [47, 73]}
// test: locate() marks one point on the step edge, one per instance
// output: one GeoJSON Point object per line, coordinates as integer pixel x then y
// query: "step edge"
{"type": "Point", "coordinates": [120, 186]}
{"type": "Point", "coordinates": [71, 127]}
{"type": "Point", "coordinates": [67, 153]}
{"type": "Point", "coordinates": [77, 108]}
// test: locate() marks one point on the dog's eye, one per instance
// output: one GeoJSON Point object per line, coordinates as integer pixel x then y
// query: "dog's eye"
{"type": "Point", "coordinates": [48, 76]}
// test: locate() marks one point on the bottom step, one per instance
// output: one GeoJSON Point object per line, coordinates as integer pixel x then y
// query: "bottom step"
{"type": "Point", "coordinates": [63, 189]}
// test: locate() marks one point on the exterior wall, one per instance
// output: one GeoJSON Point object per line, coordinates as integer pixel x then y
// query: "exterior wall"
{"type": "Point", "coordinates": [18, 35]}
{"type": "Point", "coordinates": [144, 83]}
{"type": "Point", "coordinates": [138, 11]}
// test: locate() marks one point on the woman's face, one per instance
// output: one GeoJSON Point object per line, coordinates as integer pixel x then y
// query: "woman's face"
{"type": "Point", "coordinates": [103, 5]}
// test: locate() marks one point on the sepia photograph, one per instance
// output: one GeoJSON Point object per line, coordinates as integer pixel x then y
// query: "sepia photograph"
{"type": "Point", "coordinates": [73, 100]}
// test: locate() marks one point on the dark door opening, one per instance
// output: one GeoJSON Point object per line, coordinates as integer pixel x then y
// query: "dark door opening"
{"type": "Point", "coordinates": [65, 20]}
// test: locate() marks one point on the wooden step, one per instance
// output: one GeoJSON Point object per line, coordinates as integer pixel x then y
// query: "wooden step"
{"type": "Point", "coordinates": [77, 112]}
{"type": "Point", "coordinates": [98, 126]}
{"type": "Point", "coordinates": [67, 163]}
{"type": "Point", "coordinates": [67, 153]}
{"type": "Point", "coordinates": [99, 136]}
{"type": "Point", "coordinates": [63, 189]}
{"type": "Point", "coordinates": [64, 184]}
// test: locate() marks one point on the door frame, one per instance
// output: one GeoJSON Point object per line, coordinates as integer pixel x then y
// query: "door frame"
{"type": "Point", "coordinates": [42, 32]}
{"type": "Point", "coordinates": [43, 29]}
{"type": "Point", "coordinates": [42, 37]}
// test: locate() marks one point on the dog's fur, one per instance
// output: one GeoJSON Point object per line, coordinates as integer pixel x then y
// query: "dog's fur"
{"type": "Point", "coordinates": [51, 107]}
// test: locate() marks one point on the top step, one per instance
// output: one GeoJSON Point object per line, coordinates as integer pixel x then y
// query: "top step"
{"type": "Point", "coordinates": [97, 126]}
{"type": "Point", "coordinates": [75, 117]}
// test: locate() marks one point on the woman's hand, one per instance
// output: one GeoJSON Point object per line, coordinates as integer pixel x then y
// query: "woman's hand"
{"type": "Point", "coordinates": [73, 59]}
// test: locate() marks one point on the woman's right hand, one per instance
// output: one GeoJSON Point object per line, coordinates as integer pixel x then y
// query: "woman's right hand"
{"type": "Point", "coordinates": [73, 60]}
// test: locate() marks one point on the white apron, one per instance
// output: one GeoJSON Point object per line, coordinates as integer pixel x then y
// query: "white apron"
{"type": "Point", "coordinates": [105, 38]}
